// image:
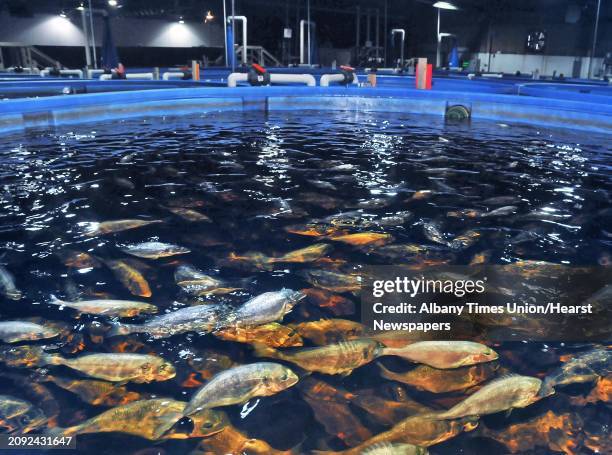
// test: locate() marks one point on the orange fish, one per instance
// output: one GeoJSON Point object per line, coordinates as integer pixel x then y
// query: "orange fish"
{"type": "Point", "coordinates": [363, 239]}
{"type": "Point", "coordinates": [131, 278]}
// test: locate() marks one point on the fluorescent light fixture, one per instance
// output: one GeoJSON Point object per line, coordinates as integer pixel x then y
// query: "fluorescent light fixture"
{"type": "Point", "coordinates": [112, 2]}
{"type": "Point", "coordinates": [181, 20]}
{"type": "Point", "coordinates": [81, 7]}
{"type": "Point", "coordinates": [62, 14]}
{"type": "Point", "coordinates": [444, 5]}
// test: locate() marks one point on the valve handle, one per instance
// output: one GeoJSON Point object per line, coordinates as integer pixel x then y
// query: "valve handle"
{"type": "Point", "coordinates": [260, 69]}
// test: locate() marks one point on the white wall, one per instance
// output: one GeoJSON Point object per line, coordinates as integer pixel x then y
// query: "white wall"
{"type": "Point", "coordinates": [527, 63]}
{"type": "Point", "coordinates": [52, 30]}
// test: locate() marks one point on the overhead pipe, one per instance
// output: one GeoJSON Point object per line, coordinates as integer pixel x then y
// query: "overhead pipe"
{"type": "Point", "coordinates": [302, 24]}
{"type": "Point", "coordinates": [357, 28]}
{"type": "Point", "coordinates": [93, 35]}
{"type": "Point", "coordinates": [86, 36]}
{"type": "Point", "coordinates": [233, 21]}
{"type": "Point", "coordinates": [225, 34]}
{"type": "Point", "coordinates": [377, 41]}
{"type": "Point", "coordinates": [594, 48]}
{"type": "Point", "coordinates": [309, 20]}
{"type": "Point", "coordinates": [401, 32]}
{"type": "Point", "coordinates": [243, 19]}
{"type": "Point", "coordinates": [307, 79]}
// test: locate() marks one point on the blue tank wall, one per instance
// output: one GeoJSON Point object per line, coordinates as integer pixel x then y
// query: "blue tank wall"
{"type": "Point", "coordinates": [573, 109]}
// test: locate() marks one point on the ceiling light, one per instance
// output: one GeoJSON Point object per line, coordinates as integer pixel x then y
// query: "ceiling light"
{"type": "Point", "coordinates": [81, 7]}
{"type": "Point", "coordinates": [112, 2]}
{"type": "Point", "coordinates": [209, 17]}
{"type": "Point", "coordinates": [63, 14]}
{"type": "Point", "coordinates": [181, 20]}
{"type": "Point", "coordinates": [444, 5]}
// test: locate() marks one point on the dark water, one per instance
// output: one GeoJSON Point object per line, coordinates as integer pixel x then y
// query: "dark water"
{"type": "Point", "coordinates": [254, 175]}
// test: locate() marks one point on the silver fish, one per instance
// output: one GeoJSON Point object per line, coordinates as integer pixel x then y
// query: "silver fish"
{"type": "Point", "coordinates": [267, 307]}
{"type": "Point", "coordinates": [154, 250]}
{"type": "Point", "coordinates": [15, 331]}
{"type": "Point", "coordinates": [201, 319]}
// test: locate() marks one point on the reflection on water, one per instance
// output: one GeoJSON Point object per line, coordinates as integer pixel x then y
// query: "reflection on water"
{"type": "Point", "coordinates": [208, 213]}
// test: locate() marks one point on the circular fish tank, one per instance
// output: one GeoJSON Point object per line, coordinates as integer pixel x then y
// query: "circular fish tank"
{"type": "Point", "coordinates": [182, 269]}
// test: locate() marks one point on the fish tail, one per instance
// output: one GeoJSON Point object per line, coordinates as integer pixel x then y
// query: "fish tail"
{"type": "Point", "coordinates": [261, 350]}
{"type": "Point", "coordinates": [62, 431]}
{"type": "Point", "coordinates": [119, 329]}
{"type": "Point", "coordinates": [53, 300]}
{"type": "Point", "coordinates": [52, 359]}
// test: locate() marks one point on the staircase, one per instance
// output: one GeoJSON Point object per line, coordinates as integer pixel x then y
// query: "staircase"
{"type": "Point", "coordinates": [19, 54]}
{"type": "Point", "coordinates": [257, 54]}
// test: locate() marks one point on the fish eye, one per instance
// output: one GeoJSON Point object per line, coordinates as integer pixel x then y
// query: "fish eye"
{"type": "Point", "coordinates": [207, 424]}
{"type": "Point", "coordinates": [146, 366]}
{"type": "Point", "coordinates": [284, 377]}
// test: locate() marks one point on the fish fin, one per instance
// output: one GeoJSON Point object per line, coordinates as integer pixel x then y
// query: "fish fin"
{"type": "Point", "coordinates": [508, 412]}
{"type": "Point", "coordinates": [261, 350]}
{"type": "Point", "coordinates": [345, 374]}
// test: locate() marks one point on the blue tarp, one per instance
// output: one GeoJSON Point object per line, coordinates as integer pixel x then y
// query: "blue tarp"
{"type": "Point", "coordinates": [453, 57]}
{"type": "Point", "coordinates": [109, 58]}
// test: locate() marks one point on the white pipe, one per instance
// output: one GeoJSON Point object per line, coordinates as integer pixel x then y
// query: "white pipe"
{"type": "Point", "coordinates": [307, 79]}
{"type": "Point", "coordinates": [148, 76]}
{"type": "Point", "coordinates": [91, 73]}
{"type": "Point", "coordinates": [79, 73]}
{"type": "Point", "coordinates": [302, 24]}
{"type": "Point", "coordinates": [25, 70]}
{"type": "Point", "coordinates": [233, 78]}
{"type": "Point", "coordinates": [402, 32]}
{"type": "Point", "coordinates": [244, 35]}
{"type": "Point", "coordinates": [327, 78]}
{"type": "Point", "coordinates": [172, 75]}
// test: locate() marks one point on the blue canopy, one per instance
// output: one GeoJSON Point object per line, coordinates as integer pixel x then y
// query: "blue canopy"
{"type": "Point", "coordinates": [109, 58]}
